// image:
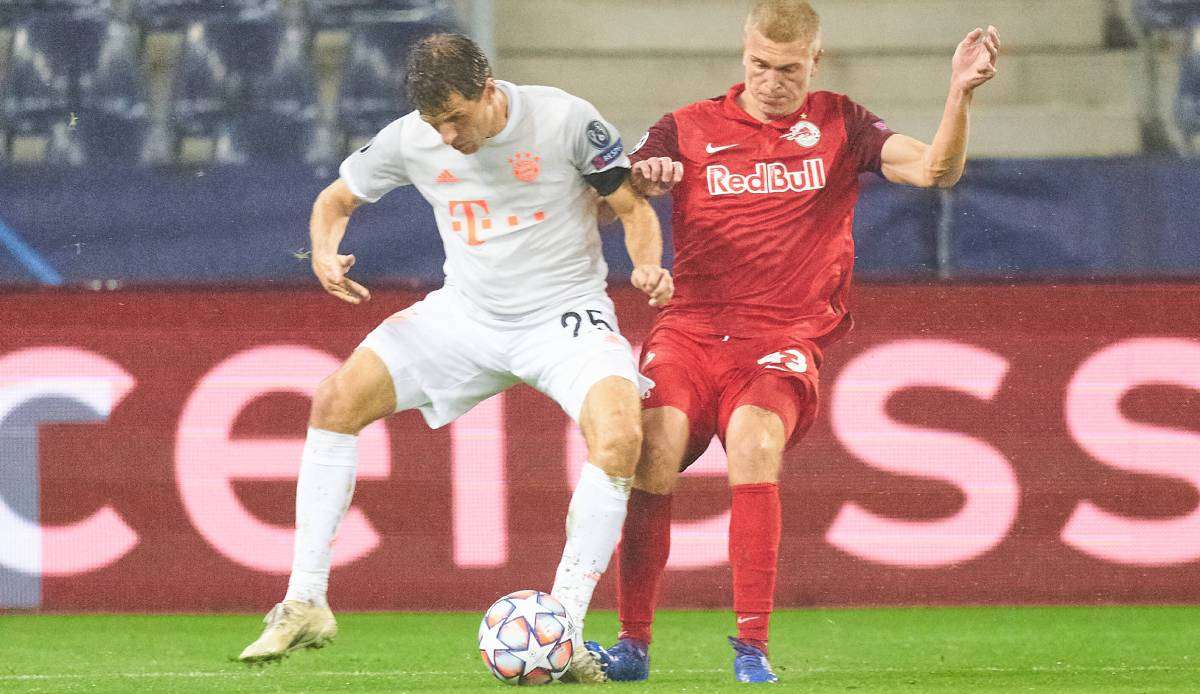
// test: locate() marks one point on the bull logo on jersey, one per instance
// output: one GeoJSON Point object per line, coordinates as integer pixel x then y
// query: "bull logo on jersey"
{"type": "Point", "coordinates": [526, 167]}
{"type": "Point", "coordinates": [804, 134]}
{"type": "Point", "coordinates": [787, 360]}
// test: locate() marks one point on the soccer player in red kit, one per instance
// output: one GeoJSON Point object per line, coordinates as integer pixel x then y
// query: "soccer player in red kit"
{"type": "Point", "coordinates": [763, 181]}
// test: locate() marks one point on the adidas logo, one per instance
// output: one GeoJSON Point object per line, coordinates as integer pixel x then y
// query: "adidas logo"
{"type": "Point", "coordinates": [446, 177]}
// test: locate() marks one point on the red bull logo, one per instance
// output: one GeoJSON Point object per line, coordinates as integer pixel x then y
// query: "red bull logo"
{"type": "Point", "coordinates": [767, 178]}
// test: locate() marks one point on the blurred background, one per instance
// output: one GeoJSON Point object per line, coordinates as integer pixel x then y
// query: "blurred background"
{"type": "Point", "coordinates": [127, 124]}
{"type": "Point", "coordinates": [1017, 418]}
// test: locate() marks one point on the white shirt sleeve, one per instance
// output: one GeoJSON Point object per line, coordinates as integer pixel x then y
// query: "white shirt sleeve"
{"type": "Point", "coordinates": [596, 144]}
{"type": "Point", "coordinates": [378, 168]}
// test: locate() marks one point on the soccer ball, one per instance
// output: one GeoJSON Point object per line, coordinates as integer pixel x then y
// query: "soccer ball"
{"type": "Point", "coordinates": [526, 638]}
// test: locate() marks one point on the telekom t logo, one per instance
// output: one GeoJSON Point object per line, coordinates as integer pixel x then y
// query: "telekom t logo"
{"type": "Point", "coordinates": [475, 220]}
{"type": "Point", "coordinates": [474, 224]}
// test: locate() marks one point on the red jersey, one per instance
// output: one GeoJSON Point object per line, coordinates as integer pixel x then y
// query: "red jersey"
{"type": "Point", "coordinates": [762, 219]}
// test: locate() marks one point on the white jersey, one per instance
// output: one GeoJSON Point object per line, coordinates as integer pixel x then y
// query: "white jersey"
{"type": "Point", "coordinates": [516, 217]}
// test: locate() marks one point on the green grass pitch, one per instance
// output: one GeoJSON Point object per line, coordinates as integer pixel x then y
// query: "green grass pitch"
{"type": "Point", "coordinates": [985, 649]}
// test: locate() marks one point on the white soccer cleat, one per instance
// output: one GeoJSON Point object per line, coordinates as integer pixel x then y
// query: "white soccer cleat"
{"type": "Point", "coordinates": [585, 669]}
{"type": "Point", "coordinates": [291, 625]}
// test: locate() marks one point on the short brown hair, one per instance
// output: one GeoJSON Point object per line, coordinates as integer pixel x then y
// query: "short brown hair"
{"type": "Point", "coordinates": [442, 64]}
{"type": "Point", "coordinates": [784, 21]}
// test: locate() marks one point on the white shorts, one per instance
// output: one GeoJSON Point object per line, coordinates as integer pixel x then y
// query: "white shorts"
{"type": "Point", "coordinates": [443, 361]}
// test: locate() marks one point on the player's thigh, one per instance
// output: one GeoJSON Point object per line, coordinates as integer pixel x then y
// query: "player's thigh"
{"type": "Point", "coordinates": [768, 406]}
{"type": "Point", "coordinates": [565, 356]}
{"type": "Point", "coordinates": [441, 362]}
{"type": "Point", "coordinates": [358, 393]}
{"type": "Point", "coordinates": [680, 411]}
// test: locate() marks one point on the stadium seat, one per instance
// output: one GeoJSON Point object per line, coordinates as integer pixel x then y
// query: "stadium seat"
{"type": "Point", "coordinates": [344, 13]}
{"type": "Point", "coordinates": [277, 121]}
{"type": "Point", "coordinates": [242, 91]}
{"type": "Point", "coordinates": [216, 63]}
{"type": "Point", "coordinates": [41, 109]}
{"type": "Point", "coordinates": [113, 100]}
{"type": "Point", "coordinates": [178, 14]}
{"type": "Point", "coordinates": [372, 89]}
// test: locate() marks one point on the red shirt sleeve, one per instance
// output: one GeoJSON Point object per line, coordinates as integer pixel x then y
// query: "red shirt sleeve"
{"type": "Point", "coordinates": [661, 140]}
{"type": "Point", "coordinates": [865, 133]}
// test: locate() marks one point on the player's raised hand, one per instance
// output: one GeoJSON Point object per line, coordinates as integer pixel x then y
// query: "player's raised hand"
{"type": "Point", "coordinates": [655, 281]}
{"type": "Point", "coordinates": [331, 271]}
{"type": "Point", "coordinates": [975, 59]}
{"type": "Point", "coordinates": [656, 176]}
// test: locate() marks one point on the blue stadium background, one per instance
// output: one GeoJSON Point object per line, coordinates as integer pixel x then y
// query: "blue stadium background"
{"type": "Point", "coordinates": [182, 141]}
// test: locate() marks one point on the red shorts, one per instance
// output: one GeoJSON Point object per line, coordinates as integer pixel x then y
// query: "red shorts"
{"type": "Point", "coordinates": [709, 376]}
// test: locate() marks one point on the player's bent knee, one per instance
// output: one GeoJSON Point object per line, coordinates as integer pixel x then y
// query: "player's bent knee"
{"type": "Point", "coordinates": [754, 446]}
{"type": "Point", "coordinates": [612, 424]}
{"type": "Point", "coordinates": [615, 449]}
{"type": "Point", "coordinates": [359, 393]}
{"type": "Point", "coordinates": [335, 407]}
{"type": "Point", "coordinates": [755, 456]}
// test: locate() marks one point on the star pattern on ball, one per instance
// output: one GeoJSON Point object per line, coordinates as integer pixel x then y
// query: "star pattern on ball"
{"type": "Point", "coordinates": [489, 641]}
{"type": "Point", "coordinates": [530, 608]}
{"type": "Point", "coordinates": [538, 656]}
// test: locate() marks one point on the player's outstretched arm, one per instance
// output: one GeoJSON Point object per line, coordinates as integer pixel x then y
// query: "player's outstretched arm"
{"type": "Point", "coordinates": [940, 165]}
{"type": "Point", "coordinates": [643, 241]}
{"type": "Point", "coordinates": [330, 215]}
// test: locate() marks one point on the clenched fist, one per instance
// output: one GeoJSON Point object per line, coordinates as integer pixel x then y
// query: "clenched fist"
{"type": "Point", "coordinates": [655, 281]}
{"type": "Point", "coordinates": [656, 176]}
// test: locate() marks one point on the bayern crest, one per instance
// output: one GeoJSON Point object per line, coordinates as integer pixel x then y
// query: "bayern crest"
{"type": "Point", "coordinates": [804, 133]}
{"type": "Point", "coordinates": [526, 167]}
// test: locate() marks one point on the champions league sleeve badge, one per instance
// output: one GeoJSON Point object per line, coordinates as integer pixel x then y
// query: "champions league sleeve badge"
{"type": "Point", "coordinates": [601, 139]}
{"type": "Point", "coordinates": [598, 135]}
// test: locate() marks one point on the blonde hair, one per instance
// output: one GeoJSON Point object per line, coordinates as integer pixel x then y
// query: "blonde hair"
{"type": "Point", "coordinates": [784, 21]}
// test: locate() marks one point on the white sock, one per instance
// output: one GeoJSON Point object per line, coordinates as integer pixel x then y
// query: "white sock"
{"type": "Point", "coordinates": [323, 494]}
{"type": "Point", "coordinates": [594, 522]}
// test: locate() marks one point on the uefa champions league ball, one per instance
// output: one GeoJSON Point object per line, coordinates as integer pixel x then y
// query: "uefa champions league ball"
{"type": "Point", "coordinates": [525, 638]}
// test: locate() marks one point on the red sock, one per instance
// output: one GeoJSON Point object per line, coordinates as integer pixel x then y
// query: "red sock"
{"type": "Point", "coordinates": [645, 545]}
{"type": "Point", "coordinates": [754, 529]}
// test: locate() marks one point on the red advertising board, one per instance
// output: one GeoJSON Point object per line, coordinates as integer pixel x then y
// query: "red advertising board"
{"type": "Point", "coordinates": [976, 444]}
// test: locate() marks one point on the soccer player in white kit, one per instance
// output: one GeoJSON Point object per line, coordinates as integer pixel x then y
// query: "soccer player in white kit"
{"type": "Point", "coordinates": [510, 173]}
